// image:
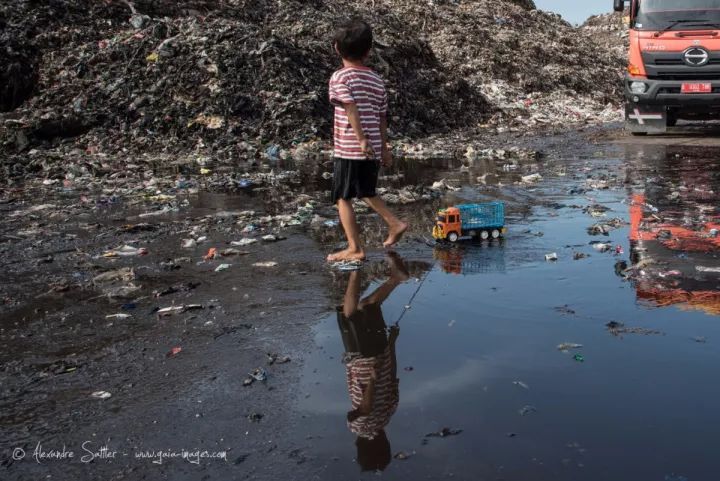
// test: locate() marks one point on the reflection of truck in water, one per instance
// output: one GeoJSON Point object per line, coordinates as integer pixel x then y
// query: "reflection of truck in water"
{"type": "Point", "coordinates": [674, 63]}
{"type": "Point", "coordinates": [674, 256]}
{"type": "Point", "coordinates": [470, 220]}
{"type": "Point", "coordinates": [471, 260]}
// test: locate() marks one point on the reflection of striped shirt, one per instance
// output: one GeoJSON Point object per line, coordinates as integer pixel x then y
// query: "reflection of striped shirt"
{"type": "Point", "coordinates": [386, 397]}
{"type": "Point", "coordinates": [365, 88]}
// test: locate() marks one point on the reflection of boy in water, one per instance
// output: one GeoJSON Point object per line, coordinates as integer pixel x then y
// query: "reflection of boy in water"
{"type": "Point", "coordinates": [371, 366]}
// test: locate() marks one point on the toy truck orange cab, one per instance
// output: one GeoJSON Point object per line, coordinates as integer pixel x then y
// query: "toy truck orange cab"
{"type": "Point", "coordinates": [674, 63]}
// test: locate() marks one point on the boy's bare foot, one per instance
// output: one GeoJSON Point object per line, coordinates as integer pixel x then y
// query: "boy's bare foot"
{"type": "Point", "coordinates": [398, 270]}
{"type": "Point", "coordinates": [396, 232]}
{"type": "Point", "coordinates": [347, 255]}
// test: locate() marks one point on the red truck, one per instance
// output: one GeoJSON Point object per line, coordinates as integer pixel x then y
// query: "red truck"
{"type": "Point", "coordinates": [673, 64]}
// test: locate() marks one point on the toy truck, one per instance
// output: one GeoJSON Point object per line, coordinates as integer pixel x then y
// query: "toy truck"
{"type": "Point", "coordinates": [466, 221]}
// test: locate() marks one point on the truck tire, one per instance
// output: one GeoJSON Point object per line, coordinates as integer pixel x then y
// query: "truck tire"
{"type": "Point", "coordinates": [484, 235]}
{"type": "Point", "coordinates": [495, 233]}
{"type": "Point", "coordinates": [453, 237]}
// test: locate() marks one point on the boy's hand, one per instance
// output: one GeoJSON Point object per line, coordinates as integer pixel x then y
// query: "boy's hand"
{"type": "Point", "coordinates": [387, 158]}
{"type": "Point", "coordinates": [394, 333]}
{"type": "Point", "coordinates": [367, 149]}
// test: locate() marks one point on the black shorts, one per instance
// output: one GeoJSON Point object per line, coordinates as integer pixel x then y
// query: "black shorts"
{"type": "Point", "coordinates": [354, 179]}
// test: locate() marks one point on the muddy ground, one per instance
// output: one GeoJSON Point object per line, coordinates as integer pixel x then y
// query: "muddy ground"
{"type": "Point", "coordinates": [477, 350]}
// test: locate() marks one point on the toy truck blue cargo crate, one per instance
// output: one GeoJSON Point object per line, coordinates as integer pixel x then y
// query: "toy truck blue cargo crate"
{"type": "Point", "coordinates": [470, 220]}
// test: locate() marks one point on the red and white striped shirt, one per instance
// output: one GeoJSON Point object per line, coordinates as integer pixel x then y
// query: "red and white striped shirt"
{"type": "Point", "coordinates": [359, 372]}
{"type": "Point", "coordinates": [366, 89]}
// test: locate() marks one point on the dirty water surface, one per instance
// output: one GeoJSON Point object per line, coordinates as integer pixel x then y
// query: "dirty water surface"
{"type": "Point", "coordinates": [596, 366]}
{"type": "Point", "coordinates": [489, 361]}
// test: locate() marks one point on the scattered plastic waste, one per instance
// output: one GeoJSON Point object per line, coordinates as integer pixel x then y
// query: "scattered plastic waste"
{"type": "Point", "coordinates": [258, 374]}
{"type": "Point", "coordinates": [618, 329]}
{"type": "Point", "coordinates": [528, 409]}
{"type": "Point", "coordinates": [601, 246]}
{"type": "Point", "coordinates": [567, 346]}
{"type": "Point", "coordinates": [579, 358]}
{"type": "Point", "coordinates": [531, 179]}
{"type": "Point", "coordinates": [255, 417]}
{"type": "Point", "coordinates": [277, 359]}
{"type": "Point", "coordinates": [117, 316]}
{"type": "Point", "coordinates": [125, 274]}
{"type": "Point", "coordinates": [443, 433]}
{"type": "Point", "coordinates": [347, 265]}
{"type": "Point", "coordinates": [174, 351]}
{"type": "Point", "coordinates": [172, 310]}
{"type": "Point", "coordinates": [126, 251]}
{"type": "Point", "coordinates": [273, 152]}
{"type": "Point", "coordinates": [271, 238]}
{"type": "Point", "coordinates": [266, 264]}
{"type": "Point", "coordinates": [211, 254]}
{"type": "Point", "coordinates": [223, 267]}
{"type": "Point", "coordinates": [551, 257]}
{"type": "Point", "coordinates": [713, 270]}
{"type": "Point", "coordinates": [521, 384]}
{"type": "Point", "coordinates": [243, 242]}
{"type": "Point", "coordinates": [233, 252]}
{"type": "Point", "coordinates": [403, 455]}
{"type": "Point", "coordinates": [101, 395]}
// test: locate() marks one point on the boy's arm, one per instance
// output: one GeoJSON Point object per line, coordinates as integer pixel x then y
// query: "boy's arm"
{"type": "Point", "coordinates": [368, 398]}
{"type": "Point", "coordinates": [353, 115]}
{"type": "Point", "coordinates": [386, 154]}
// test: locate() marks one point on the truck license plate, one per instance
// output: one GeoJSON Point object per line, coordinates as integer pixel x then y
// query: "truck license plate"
{"type": "Point", "coordinates": [696, 88]}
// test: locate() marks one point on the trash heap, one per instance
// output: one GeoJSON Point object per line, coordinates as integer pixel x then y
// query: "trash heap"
{"type": "Point", "coordinates": [238, 80]}
{"type": "Point", "coordinates": [611, 30]}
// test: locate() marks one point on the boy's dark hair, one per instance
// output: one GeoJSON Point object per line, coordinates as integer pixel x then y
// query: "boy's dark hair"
{"type": "Point", "coordinates": [354, 39]}
{"type": "Point", "coordinates": [373, 454]}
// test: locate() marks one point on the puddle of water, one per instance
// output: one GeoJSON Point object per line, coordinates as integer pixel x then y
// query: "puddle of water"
{"type": "Point", "coordinates": [477, 350]}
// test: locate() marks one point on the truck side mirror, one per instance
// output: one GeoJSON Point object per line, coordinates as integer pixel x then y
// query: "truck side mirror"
{"type": "Point", "coordinates": [619, 5]}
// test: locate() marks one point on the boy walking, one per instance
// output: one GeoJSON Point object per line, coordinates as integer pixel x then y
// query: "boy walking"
{"type": "Point", "coordinates": [360, 100]}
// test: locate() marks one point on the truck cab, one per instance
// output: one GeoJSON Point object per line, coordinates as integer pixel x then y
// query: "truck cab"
{"type": "Point", "coordinates": [673, 64]}
{"type": "Point", "coordinates": [448, 224]}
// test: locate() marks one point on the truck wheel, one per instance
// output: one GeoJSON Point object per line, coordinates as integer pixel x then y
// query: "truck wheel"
{"type": "Point", "coordinates": [495, 233]}
{"type": "Point", "coordinates": [484, 235]}
{"type": "Point", "coordinates": [671, 121]}
{"type": "Point", "coordinates": [453, 237]}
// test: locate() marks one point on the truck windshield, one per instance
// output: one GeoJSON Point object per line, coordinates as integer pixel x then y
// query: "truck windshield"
{"type": "Point", "coordinates": [677, 15]}
{"type": "Point", "coordinates": [441, 218]}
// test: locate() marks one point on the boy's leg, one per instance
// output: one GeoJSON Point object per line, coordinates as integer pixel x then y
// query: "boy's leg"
{"type": "Point", "coordinates": [398, 275]}
{"type": "Point", "coordinates": [354, 252]}
{"type": "Point", "coordinates": [396, 227]}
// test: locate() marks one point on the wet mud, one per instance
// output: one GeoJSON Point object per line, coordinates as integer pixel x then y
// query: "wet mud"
{"type": "Point", "coordinates": [488, 361]}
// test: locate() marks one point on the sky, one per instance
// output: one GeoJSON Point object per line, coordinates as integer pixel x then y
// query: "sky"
{"type": "Point", "coordinates": [575, 11]}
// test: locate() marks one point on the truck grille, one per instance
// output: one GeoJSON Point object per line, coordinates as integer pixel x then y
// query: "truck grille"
{"type": "Point", "coordinates": [683, 75]}
{"type": "Point", "coordinates": [671, 66]}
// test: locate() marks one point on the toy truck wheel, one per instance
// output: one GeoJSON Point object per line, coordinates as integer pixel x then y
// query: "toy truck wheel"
{"type": "Point", "coordinates": [453, 237]}
{"type": "Point", "coordinates": [484, 235]}
{"type": "Point", "coordinates": [495, 233]}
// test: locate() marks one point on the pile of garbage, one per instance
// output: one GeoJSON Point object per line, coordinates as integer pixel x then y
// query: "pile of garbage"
{"type": "Point", "coordinates": [240, 80]}
{"type": "Point", "coordinates": [611, 30]}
